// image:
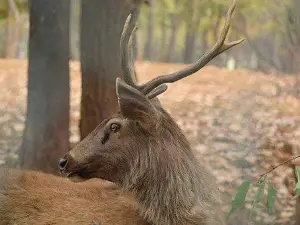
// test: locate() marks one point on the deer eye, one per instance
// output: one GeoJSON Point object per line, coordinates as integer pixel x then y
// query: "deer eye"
{"type": "Point", "coordinates": [115, 127]}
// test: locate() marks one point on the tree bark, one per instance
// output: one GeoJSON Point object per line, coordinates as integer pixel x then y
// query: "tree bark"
{"type": "Point", "coordinates": [192, 24]}
{"type": "Point", "coordinates": [163, 25]}
{"type": "Point", "coordinates": [189, 46]}
{"type": "Point", "coordinates": [14, 25]}
{"type": "Point", "coordinates": [173, 38]}
{"type": "Point", "coordinates": [175, 21]}
{"type": "Point", "coordinates": [101, 27]}
{"type": "Point", "coordinates": [139, 45]}
{"type": "Point", "coordinates": [46, 135]}
{"type": "Point", "coordinates": [297, 10]}
{"type": "Point", "coordinates": [292, 40]}
{"type": "Point", "coordinates": [8, 32]}
{"type": "Point", "coordinates": [149, 43]}
{"type": "Point", "coordinates": [74, 29]}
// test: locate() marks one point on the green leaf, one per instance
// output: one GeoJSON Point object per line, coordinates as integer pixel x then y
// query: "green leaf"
{"type": "Point", "coordinates": [297, 194]}
{"type": "Point", "coordinates": [240, 196]}
{"type": "Point", "coordinates": [297, 186]}
{"type": "Point", "coordinates": [260, 191]}
{"type": "Point", "coordinates": [271, 199]}
{"type": "Point", "coordinates": [297, 171]}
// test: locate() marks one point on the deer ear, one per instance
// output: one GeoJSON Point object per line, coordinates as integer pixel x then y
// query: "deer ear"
{"type": "Point", "coordinates": [135, 105]}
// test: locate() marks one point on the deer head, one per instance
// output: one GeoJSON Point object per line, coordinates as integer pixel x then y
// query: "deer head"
{"type": "Point", "coordinates": [141, 143]}
{"type": "Point", "coordinates": [113, 149]}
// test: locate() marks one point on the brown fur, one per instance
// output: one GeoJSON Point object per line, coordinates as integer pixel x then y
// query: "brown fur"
{"type": "Point", "coordinates": [29, 198]}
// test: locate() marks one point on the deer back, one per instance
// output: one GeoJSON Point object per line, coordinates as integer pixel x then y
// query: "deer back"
{"type": "Point", "coordinates": [29, 198]}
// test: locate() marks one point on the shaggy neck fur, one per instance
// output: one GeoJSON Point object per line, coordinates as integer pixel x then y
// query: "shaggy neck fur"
{"type": "Point", "coordinates": [168, 182]}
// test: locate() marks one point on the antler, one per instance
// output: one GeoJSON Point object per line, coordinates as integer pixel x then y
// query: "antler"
{"type": "Point", "coordinates": [158, 85]}
{"type": "Point", "coordinates": [127, 61]}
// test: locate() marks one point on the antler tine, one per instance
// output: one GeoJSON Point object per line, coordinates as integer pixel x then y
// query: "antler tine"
{"type": "Point", "coordinates": [131, 57]}
{"type": "Point", "coordinates": [157, 91]}
{"type": "Point", "coordinates": [126, 49]}
{"type": "Point", "coordinates": [216, 50]}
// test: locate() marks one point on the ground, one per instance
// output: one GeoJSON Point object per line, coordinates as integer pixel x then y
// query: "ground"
{"type": "Point", "coordinates": [241, 124]}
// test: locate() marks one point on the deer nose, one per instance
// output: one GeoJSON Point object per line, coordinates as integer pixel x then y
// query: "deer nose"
{"type": "Point", "coordinates": [62, 163]}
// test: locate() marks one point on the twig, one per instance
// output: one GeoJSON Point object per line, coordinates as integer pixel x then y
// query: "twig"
{"type": "Point", "coordinates": [275, 167]}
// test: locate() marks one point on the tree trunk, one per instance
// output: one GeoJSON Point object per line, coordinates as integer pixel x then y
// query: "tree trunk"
{"type": "Point", "coordinates": [187, 52]}
{"type": "Point", "coordinates": [173, 38]}
{"type": "Point", "coordinates": [8, 32]}
{"type": "Point", "coordinates": [139, 45]}
{"type": "Point", "coordinates": [297, 10]}
{"type": "Point", "coordinates": [149, 43]}
{"type": "Point", "coordinates": [218, 60]}
{"type": "Point", "coordinates": [192, 24]}
{"type": "Point", "coordinates": [14, 25]}
{"type": "Point", "coordinates": [163, 36]}
{"type": "Point", "coordinates": [101, 27]}
{"type": "Point", "coordinates": [135, 46]}
{"type": "Point", "coordinates": [189, 46]}
{"type": "Point", "coordinates": [292, 39]}
{"type": "Point", "coordinates": [297, 28]}
{"type": "Point", "coordinates": [74, 29]}
{"type": "Point", "coordinates": [46, 135]}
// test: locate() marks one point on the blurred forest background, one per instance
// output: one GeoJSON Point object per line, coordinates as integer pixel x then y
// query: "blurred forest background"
{"type": "Point", "coordinates": [240, 113]}
{"type": "Point", "coordinates": [180, 30]}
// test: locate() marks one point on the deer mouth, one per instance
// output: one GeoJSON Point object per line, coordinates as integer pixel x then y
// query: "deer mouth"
{"type": "Point", "coordinates": [78, 175]}
{"type": "Point", "coordinates": [83, 173]}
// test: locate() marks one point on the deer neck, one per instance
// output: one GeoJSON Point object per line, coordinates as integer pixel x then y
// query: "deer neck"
{"type": "Point", "coordinates": [170, 187]}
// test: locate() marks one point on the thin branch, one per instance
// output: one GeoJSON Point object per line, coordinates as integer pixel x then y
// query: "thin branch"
{"type": "Point", "coordinates": [275, 167]}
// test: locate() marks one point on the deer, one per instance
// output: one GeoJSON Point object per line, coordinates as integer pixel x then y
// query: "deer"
{"type": "Point", "coordinates": [136, 167]}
